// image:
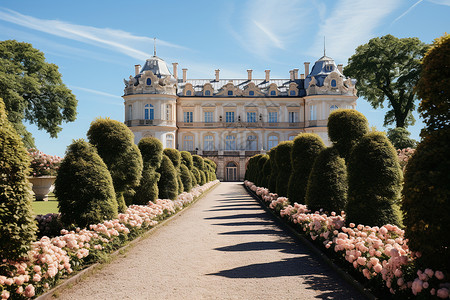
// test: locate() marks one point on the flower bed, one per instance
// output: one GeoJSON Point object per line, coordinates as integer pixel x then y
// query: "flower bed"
{"type": "Point", "coordinates": [380, 254]}
{"type": "Point", "coordinates": [51, 259]}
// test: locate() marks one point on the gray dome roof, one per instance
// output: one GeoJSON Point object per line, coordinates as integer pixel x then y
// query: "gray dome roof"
{"type": "Point", "coordinates": [321, 69]}
{"type": "Point", "coordinates": [157, 66]}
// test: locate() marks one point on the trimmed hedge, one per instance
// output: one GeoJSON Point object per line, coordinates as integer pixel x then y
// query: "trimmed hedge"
{"type": "Point", "coordinates": [186, 159]}
{"type": "Point", "coordinates": [272, 180]}
{"type": "Point", "coordinates": [168, 183]}
{"type": "Point", "coordinates": [375, 182]}
{"type": "Point", "coordinates": [283, 158]}
{"type": "Point", "coordinates": [327, 184]}
{"type": "Point", "coordinates": [266, 173]}
{"type": "Point", "coordinates": [426, 201]}
{"type": "Point", "coordinates": [186, 178]}
{"type": "Point", "coordinates": [260, 166]}
{"type": "Point", "coordinates": [345, 128]}
{"type": "Point", "coordinates": [84, 187]}
{"type": "Point", "coordinates": [152, 151]}
{"type": "Point", "coordinates": [175, 157]}
{"type": "Point", "coordinates": [114, 142]}
{"type": "Point", "coordinates": [305, 150]}
{"type": "Point", "coordinates": [17, 225]}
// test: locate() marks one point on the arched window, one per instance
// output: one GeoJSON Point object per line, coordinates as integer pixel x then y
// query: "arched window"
{"type": "Point", "coordinates": [333, 107]}
{"type": "Point", "coordinates": [149, 81]}
{"type": "Point", "coordinates": [207, 93]}
{"type": "Point", "coordinates": [252, 143]}
{"type": "Point", "coordinates": [230, 142]}
{"type": "Point", "coordinates": [149, 113]}
{"type": "Point", "coordinates": [188, 93]}
{"type": "Point", "coordinates": [292, 93]}
{"type": "Point", "coordinates": [188, 143]}
{"type": "Point", "coordinates": [291, 137]}
{"type": "Point", "coordinates": [333, 83]}
{"type": "Point", "coordinates": [169, 141]}
{"type": "Point", "coordinates": [273, 93]}
{"type": "Point", "coordinates": [230, 93]}
{"type": "Point", "coordinates": [272, 142]}
{"type": "Point", "coordinates": [251, 93]}
{"type": "Point", "coordinates": [208, 141]}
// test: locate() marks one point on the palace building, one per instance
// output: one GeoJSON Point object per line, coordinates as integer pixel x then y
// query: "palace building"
{"type": "Point", "coordinates": [230, 120]}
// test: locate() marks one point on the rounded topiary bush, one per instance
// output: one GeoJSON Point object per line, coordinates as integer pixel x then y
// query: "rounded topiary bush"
{"type": "Point", "coordinates": [17, 225]}
{"type": "Point", "coordinates": [260, 166]}
{"type": "Point", "coordinates": [374, 182]}
{"type": "Point", "coordinates": [186, 178]}
{"type": "Point", "coordinates": [84, 187]}
{"type": "Point", "coordinates": [152, 151]}
{"type": "Point", "coordinates": [175, 156]}
{"type": "Point", "coordinates": [305, 150]}
{"type": "Point", "coordinates": [266, 173]}
{"type": "Point", "coordinates": [186, 159]}
{"type": "Point", "coordinates": [197, 176]}
{"type": "Point", "coordinates": [345, 128]}
{"type": "Point", "coordinates": [200, 165]}
{"type": "Point", "coordinates": [115, 145]}
{"type": "Point", "coordinates": [251, 170]}
{"type": "Point", "coordinates": [167, 184]}
{"type": "Point", "coordinates": [283, 158]}
{"type": "Point", "coordinates": [148, 188]}
{"type": "Point", "coordinates": [426, 201]}
{"type": "Point", "coordinates": [327, 184]}
{"type": "Point", "coordinates": [272, 180]}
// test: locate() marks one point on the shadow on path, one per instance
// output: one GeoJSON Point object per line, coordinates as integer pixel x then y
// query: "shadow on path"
{"type": "Point", "coordinates": [257, 231]}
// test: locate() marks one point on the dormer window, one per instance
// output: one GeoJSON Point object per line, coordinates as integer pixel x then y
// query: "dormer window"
{"type": "Point", "coordinates": [230, 93]}
{"type": "Point", "coordinates": [188, 93]}
{"type": "Point", "coordinates": [333, 83]}
{"type": "Point", "coordinates": [207, 93]}
{"type": "Point", "coordinates": [251, 93]}
{"type": "Point", "coordinates": [149, 81]}
{"type": "Point", "coordinates": [292, 93]}
{"type": "Point", "coordinates": [273, 93]}
{"type": "Point", "coordinates": [329, 68]}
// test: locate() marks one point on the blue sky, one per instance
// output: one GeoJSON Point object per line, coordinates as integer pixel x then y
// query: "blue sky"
{"type": "Point", "coordinates": [97, 43]}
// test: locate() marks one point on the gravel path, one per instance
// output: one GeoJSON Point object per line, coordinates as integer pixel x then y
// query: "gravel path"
{"type": "Point", "coordinates": [224, 247]}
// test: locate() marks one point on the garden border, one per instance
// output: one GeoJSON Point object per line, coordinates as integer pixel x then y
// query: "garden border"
{"type": "Point", "coordinates": [81, 275]}
{"type": "Point", "coordinates": [348, 278]}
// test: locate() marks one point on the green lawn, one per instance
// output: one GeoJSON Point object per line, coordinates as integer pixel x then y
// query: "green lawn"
{"type": "Point", "coordinates": [45, 207]}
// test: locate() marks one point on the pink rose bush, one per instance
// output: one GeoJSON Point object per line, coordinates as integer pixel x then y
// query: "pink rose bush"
{"type": "Point", "coordinates": [53, 258]}
{"type": "Point", "coordinates": [43, 164]}
{"type": "Point", "coordinates": [404, 155]}
{"type": "Point", "coordinates": [378, 253]}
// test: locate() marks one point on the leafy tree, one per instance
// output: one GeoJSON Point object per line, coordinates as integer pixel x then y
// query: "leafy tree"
{"type": "Point", "coordinates": [17, 226]}
{"type": "Point", "coordinates": [345, 128]}
{"type": "Point", "coordinates": [115, 145]}
{"type": "Point", "coordinates": [327, 183]}
{"type": "Point", "coordinates": [399, 137]}
{"type": "Point", "coordinates": [283, 158]}
{"type": "Point", "coordinates": [32, 90]}
{"type": "Point", "coordinates": [374, 182]}
{"type": "Point", "coordinates": [167, 184]}
{"type": "Point", "coordinates": [84, 187]}
{"type": "Point", "coordinates": [388, 68]}
{"type": "Point", "coordinates": [434, 85]}
{"type": "Point", "coordinates": [305, 150]}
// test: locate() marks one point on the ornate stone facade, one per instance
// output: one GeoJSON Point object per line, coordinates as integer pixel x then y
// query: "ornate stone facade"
{"type": "Point", "coordinates": [230, 120]}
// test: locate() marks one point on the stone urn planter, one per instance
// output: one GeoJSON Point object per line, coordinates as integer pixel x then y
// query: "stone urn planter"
{"type": "Point", "coordinates": [41, 186]}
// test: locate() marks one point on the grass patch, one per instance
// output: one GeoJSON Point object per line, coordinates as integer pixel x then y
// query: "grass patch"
{"type": "Point", "coordinates": [45, 207]}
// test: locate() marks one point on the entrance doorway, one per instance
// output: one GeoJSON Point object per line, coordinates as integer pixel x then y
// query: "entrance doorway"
{"type": "Point", "coordinates": [231, 172]}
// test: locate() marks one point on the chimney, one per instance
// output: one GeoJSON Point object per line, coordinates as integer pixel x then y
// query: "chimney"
{"type": "Point", "coordinates": [217, 74]}
{"type": "Point", "coordinates": [340, 68]}
{"type": "Point", "coordinates": [249, 72]}
{"type": "Point", "coordinates": [307, 68]}
{"type": "Point", "coordinates": [291, 74]}
{"type": "Point", "coordinates": [136, 69]}
{"type": "Point", "coordinates": [267, 75]}
{"type": "Point", "coordinates": [184, 75]}
{"type": "Point", "coordinates": [295, 73]}
{"type": "Point", "coordinates": [302, 76]}
{"type": "Point", "coordinates": [175, 70]}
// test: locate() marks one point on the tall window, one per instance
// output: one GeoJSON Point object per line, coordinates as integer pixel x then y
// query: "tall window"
{"type": "Point", "coordinates": [149, 112]}
{"type": "Point", "coordinates": [169, 141]}
{"type": "Point", "coordinates": [188, 116]}
{"type": "Point", "coordinates": [230, 142]}
{"type": "Point", "coordinates": [272, 142]}
{"type": "Point", "coordinates": [229, 116]}
{"type": "Point", "coordinates": [130, 112]}
{"type": "Point", "coordinates": [273, 116]}
{"type": "Point", "coordinates": [149, 81]}
{"type": "Point", "coordinates": [168, 112]}
{"type": "Point", "coordinates": [293, 116]}
{"type": "Point", "coordinates": [333, 83]}
{"type": "Point", "coordinates": [333, 107]}
{"type": "Point", "coordinates": [208, 143]}
{"type": "Point", "coordinates": [312, 112]}
{"type": "Point", "coordinates": [252, 142]}
{"type": "Point", "coordinates": [188, 143]}
{"type": "Point", "coordinates": [208, 116]}
{"type": "Point", "coordinates": [251, 117]}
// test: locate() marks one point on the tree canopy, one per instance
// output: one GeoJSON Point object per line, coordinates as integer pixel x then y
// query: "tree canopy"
{"type": "Point", "coordinates": [388, 68]}
{"type": "Point", "coordinates": [32, 90]}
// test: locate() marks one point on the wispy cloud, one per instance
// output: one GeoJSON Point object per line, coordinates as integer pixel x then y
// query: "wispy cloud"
{"type": "Point", "coordinates": [349, 25]}
{"type": "Point", "coordinates": [95, 92]}
{"type": "Point", "coordinates": [407, 11]}
{"type": "Point", "coordinates": [113, 39]}
{"type": "Point", "coordinates": [261, 26]}
{"type": "Point", "coordinates": [441, 2]}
